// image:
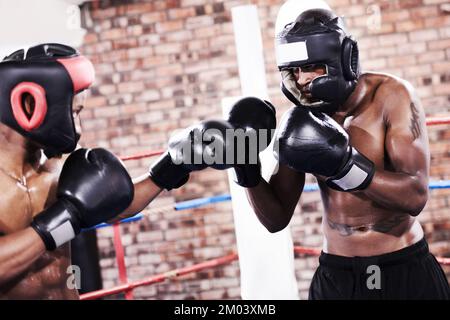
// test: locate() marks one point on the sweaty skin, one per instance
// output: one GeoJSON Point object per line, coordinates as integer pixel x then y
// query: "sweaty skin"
{"type": "Point", "coordinates": [27, 270]}
{"type": "Point", "coordinates": [385, 122]}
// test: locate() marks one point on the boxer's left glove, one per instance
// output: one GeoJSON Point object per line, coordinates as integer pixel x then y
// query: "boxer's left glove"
{"type": "Point", "coordinates": [253, 116]}
{"type": "Point", "coordinates": [313, 142]}
{"type": "Point", "coordinates": [93, 187]}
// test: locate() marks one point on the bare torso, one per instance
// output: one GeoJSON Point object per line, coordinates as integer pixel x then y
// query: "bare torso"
{"type": "Point", "coordinates": [353, 224]}
{"type": "Point", "coordinates": [47, 277]}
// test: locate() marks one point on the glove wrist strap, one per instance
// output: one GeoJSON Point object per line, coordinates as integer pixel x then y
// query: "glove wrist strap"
{"type": "Point", "coordinates": [357, 174]}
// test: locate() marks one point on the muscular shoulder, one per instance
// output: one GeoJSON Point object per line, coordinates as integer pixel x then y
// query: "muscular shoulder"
{"type": "Point", "coordinates": [51, 168]}
{"type": "Point", "coordinates": [394, 95]}
{"type": "Point", "coordinates": [54, 165]}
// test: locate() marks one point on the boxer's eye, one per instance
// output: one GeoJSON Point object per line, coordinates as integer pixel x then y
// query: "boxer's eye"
{"type": "Point", "coordinates": [28, 104]}
{"type": "Point", "coordinates": [77, 109]}
{"type": "Point", "coordinates": [309, 68]}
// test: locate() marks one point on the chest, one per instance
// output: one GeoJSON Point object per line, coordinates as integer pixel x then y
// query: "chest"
{"type": "Point", "coordinates": [367, 132]}
{"type": "Point", "coordinates": [20, 202]}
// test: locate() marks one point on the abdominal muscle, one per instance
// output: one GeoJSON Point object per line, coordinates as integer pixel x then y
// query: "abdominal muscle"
{"type": "Point", "coordinates": [46, 279]}
{"type": "Point", "coordinates": [362, 240]}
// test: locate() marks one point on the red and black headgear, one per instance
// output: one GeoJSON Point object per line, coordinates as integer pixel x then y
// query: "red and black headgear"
{"type": "Point", "coordinates": [52, 74]}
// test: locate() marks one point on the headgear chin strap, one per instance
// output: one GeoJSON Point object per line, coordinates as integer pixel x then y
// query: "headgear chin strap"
{"type": "Point", "coordinates": [314, 42]}
{"type": "Point", "coordinates": [51, 74]}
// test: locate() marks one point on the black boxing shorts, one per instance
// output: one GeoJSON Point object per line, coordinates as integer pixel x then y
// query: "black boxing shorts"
{"type": "Point", "coordinates": [409, 273]}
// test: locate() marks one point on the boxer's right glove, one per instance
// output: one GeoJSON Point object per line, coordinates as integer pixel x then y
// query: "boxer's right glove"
{"type": "Point", "coordinates": [93, 187]}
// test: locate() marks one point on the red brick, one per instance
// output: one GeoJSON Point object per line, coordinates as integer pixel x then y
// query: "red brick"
{"type": "Point", "coordinates": [431, 56]}
{"type": "Point", "coordinates": [411, 48]}
{"type": "Point", "coordinates": [441, 89]}
{"type": "Point", "coordinates": [409, 25]}
{"type": "Point", "coordinates": [382, 52]}
{"type": "Point", "coordinates": [130, 87]}
{"type": "Point", "coordinates": [124, 43]}
{"type": "Point", "coordinates": [441, 66]}
{"type": "Point", "coordinates": [106, 89]}
{"type": "Point", "coordinates": [424, 12]}
{"type": "Point", "coordinates": [395, 16]}
{"type": "Point", "coordinates": [104, 13]}
{"type": "Point", "coordinates": [131, 9]}
{"type": "Point", "coordinates": [200, 21]}
{"type": "Point", "coordinates": [390, 39]}
{"type": "Point", "coordinates": [181, 13]}
{"type": "Point", "coordinates": [113, 34]}
{"type": "Point", "coordinates": [179, 36]}
{"type": "Point", "coordinates": [434, 1]}
{"type": "Point", "coordinates": [439, 44]}
{"type": "Point", "coordinates": [168, 26]}
{"type": "Point", "coordinates": [423, 35]}
{"type": "Point", "coordinates": [152, 17]}
{"type": "Point", "coordinates": [375, 64]}
{"type": "Point", "coordinates": [134, 31]}
{"type": "Point", "coordinates": [167, 48]}
{"type": "Point", "coordinates": [141, 52]}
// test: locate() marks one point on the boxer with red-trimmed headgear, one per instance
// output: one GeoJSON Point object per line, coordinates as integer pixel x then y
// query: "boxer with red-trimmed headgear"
{"type": "Point", "coordinates": [47, 197]}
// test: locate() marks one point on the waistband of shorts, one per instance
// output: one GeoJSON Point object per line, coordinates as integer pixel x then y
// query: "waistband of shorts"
{"type": "Point", "coordinates": [419, 249]}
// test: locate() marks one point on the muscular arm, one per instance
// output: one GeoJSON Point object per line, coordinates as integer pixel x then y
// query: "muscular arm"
{"type": "Point", "coordinates": [274, 202]}
{"type": "Point", "coordinates": [145, 190]}
{"type": "Point", "coordinates": [405, 188]}
{"type": "Point", "coordinates": [18, 251]}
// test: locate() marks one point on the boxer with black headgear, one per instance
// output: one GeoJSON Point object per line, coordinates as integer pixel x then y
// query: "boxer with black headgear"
{"type": "Point", "coordinates": [47, 199]}
{"type": "Point", "coordinates": [363, 136]}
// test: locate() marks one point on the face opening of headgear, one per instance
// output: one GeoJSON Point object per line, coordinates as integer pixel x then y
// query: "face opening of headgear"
{"type": "Point", "coordinates": [52, 74]}
{"type": "Point", "coordinates": [318, 37]}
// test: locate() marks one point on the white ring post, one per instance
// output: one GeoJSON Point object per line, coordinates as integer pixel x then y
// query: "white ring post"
{"type": "Point", "coordinates": [266, 260]}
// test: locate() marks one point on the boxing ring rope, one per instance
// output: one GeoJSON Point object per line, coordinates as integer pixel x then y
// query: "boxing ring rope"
{"type": "Point", "coordinates": [161, 277]}
{"type": "Point", "coordinates": [127, 287]}
{"type": "Point", "coordinates": [432, 121]}
{"type": "Point", "coordinates": [437, 120]}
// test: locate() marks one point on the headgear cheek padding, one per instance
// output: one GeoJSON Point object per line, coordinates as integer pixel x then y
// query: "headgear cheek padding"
{"type": "Point", "coordinates": [18, 108]}
{"type": "Point", "coordinates": [350, 59]}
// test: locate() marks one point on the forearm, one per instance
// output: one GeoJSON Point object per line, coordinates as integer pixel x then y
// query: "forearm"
{"type": "Point", "coordinates": [398, 191]}
{"type": "Point", "coordinates": [145, 190]}
{"type": "Point", "coordinates": [18, 251]}
{"type": "Point", "coordinates": [268, 207]}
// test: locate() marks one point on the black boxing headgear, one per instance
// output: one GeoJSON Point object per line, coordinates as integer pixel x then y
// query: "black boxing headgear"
{"type": "Point", "coordinates": [52, 74]}
{"type": "Point", "coordinates": [318, 37]}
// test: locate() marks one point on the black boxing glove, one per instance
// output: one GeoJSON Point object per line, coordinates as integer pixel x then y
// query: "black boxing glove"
{"type": "Point", "coordinates": [315, 143]}
{"type": "Point", "coordinates": [194, 148]}
{"type": "Point", "coordinates": [93, 187]}
{"type": "Point", "coordinates": [255, 117]}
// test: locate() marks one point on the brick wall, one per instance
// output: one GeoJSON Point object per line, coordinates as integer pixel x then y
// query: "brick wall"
{"type": "Point", "coordinates": [163, 65]}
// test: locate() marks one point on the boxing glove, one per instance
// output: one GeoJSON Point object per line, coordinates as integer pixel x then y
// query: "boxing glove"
{"type": "Point", "coordinates": [313, 142]}
{"type": "Point", "coordinates": [93, 187]}
{"type": "Point", "coordinates": [257, 119]}
{"type": "Point", "coordinates": [194, 148]}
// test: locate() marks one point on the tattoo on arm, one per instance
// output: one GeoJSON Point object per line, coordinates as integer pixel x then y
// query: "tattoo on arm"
{"type": "Point", "coordinates": [414, 126]}
{"type": "Point", "coordinates": [383, 226]}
